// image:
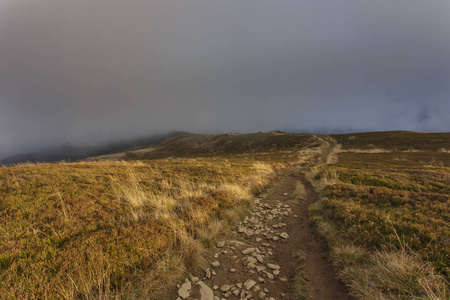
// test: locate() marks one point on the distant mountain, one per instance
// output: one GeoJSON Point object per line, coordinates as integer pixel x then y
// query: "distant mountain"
{"type": "Point", "coordinates": [192, 145]}
{"type": "Point", "coordinates": [74, 153]}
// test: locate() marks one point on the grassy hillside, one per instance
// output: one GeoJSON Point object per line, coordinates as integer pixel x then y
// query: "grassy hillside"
{"type": "Point", "coordinates": [394, 140]}
{"type": "Point", "coordinates": [121, 228]}
{"type": "Point", "coordinates": [193, 145]}
{"type": "Point", "coordinates": [387, 216]}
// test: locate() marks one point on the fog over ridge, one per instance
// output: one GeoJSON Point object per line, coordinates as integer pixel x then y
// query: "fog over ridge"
{"type": "Point", "coordinates": [91, 71]}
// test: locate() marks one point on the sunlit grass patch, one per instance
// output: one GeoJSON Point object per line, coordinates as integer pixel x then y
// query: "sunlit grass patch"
{"type": "Point", "coordinates": [108, 230]}
{"type": "Point", "coordinates": [385, 216]}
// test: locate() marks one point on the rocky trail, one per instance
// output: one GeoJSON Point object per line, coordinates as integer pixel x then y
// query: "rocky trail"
{"type": "Point", "coordinates": [262, 257]}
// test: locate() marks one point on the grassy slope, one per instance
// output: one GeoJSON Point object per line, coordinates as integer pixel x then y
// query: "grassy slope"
{"type": "Point", "coordinates": [387, 216]}
{"type": "Point", "coordinates": [193, 145]}
{"type": "Point", "coordinates": [130, 229]}
{"type": "Point", "coordinates": [394, 140]}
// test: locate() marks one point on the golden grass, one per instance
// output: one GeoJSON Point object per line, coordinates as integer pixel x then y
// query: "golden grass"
{"type": "Point", "coordinates": [299, 191]}
{"type": "Point", "coordinates": [116, 229]}
{"type": "Point", "coordinates": [301, 284]}
{"type": "Point", "coordinates": [384, 216]}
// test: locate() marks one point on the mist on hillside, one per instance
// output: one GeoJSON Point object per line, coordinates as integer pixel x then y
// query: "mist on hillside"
{"type": "Point", "coordinates": [88, 72]}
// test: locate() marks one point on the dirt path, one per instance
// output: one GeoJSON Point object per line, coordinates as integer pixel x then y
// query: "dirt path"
{"type": "Point", "coordinates": [261, 261]}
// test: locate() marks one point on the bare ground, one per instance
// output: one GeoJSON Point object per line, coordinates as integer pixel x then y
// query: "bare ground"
{"type": "Point", "coordinates": [249, 259]}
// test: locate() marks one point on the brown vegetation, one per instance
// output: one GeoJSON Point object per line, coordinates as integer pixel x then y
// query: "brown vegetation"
{"type": "Point", "coordinates": [385, 216]}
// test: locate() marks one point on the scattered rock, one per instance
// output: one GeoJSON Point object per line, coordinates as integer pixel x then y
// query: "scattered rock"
{"type": "Point", "coordinates": [225, 288]}
{"type": "Point", "coordinates": [215, 264]}
{"type": "Point", "coordinates": [251, 260]}
{"type": "Point", "coordinates": [205, 292]}
{"type": "Point", "coordinates": [261, 226]}
{"type": "Point", "coordinates": [260, 268]}
{"type": "Point", "coordinates": [249, 284]}
{"type": "Point", "coordinates": [284, 235]}
{"type": "Point", "coordinates": [185, 290]}
{"type": "Point", "coordinates": [236, 243]}
{"type": "Point", "coordinates": [248, 251]}
{"type": "Point", "coordinates": [220, 244]}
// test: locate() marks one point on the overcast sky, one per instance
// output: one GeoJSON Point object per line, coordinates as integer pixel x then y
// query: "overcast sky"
{"type": "Point", "coordinates": [88, 71]}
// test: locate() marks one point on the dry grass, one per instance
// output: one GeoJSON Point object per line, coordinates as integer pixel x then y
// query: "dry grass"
{"type": "Point", "coordinates": [384, 216]}
{"type": "Point", "coordinates": [301, 284]}
{"type": "Point", "coordinates": [300, 191]}
{"type": "Point", "coordinates": [118, 230]}
{"type": "Point", "coordinates": [374, 150]}
{"type": "Point", "coordinates": [389, 274]}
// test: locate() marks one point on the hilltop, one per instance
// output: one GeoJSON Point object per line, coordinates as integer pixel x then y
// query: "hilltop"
{"type": "Point", "coordinates": [186, 144]}
{"type": "Point", "coordinates": [135, 223]}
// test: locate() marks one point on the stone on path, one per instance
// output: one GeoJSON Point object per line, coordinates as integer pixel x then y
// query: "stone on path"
{"type": "Point", "coordinates": [284, 235]}
{"type": "Point", "coordinates": [205, 292]}
{"type": "Point", "coordinates": [185, 289]}
{"type": "Point", "coordinates": [249, 284]}
{"type": "Point", "coordinates": [220, 244]}
{"type": "Point", "coordinates": [225, 288]}
{"type": "Point", "coordinates": [248, 251]}
{"type": "Point", "coordinates": [273, 266]}
{"type": "Point", "coordinates": [194, 279]}
{"type": "Point", "coordinates": [215, 264]}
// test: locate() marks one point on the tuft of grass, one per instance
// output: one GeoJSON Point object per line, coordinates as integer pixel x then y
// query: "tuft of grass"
{"type": "Point", "coordinates": [392, 274]}
{"type": "Point", "coordinates": [301, 284]}
{"type": "Point", "coordinates": [299, 192]}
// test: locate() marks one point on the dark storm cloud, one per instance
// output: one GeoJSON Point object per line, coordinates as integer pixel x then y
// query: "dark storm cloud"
{"type": "Point", "coordinates": [91, 71]}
